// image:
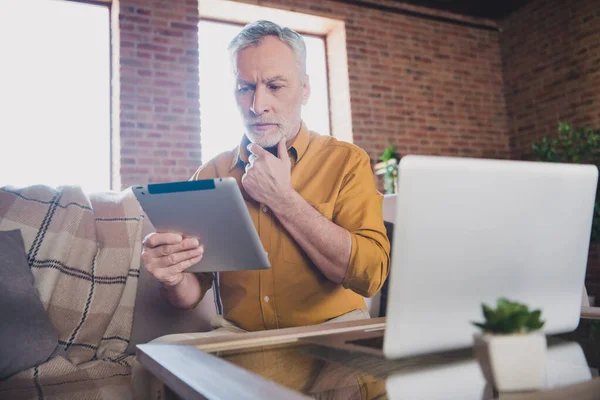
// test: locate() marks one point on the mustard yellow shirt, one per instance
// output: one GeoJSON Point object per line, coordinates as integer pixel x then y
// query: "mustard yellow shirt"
{"type": "Point", "coordinates": [336, 179]}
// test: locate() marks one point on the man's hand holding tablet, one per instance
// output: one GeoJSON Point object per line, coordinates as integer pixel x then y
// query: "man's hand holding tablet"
{"type": "Point", "coordinates": [167, 256]}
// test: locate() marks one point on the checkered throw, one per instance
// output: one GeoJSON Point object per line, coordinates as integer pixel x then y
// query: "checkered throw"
{"type": "Point", "coordinates": [84, 252]}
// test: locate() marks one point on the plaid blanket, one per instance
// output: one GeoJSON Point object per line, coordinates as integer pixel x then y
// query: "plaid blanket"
{"type": "Point", "coordinates": [84, 252]}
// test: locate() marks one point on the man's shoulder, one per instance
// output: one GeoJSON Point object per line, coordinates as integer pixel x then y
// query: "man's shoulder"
{"type": "Point", "coordinates": [329, 143]}
{"type": "Point", "coordinates": [225, 157]}
{"type": "Point", "coordinates": [216, 165]}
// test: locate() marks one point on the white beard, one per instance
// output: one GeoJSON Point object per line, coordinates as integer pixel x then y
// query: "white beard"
{"type": "Point", "coordinates": [271, 138]}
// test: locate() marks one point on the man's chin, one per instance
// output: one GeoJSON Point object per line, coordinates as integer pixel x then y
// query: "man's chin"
{"type": "Point", "coordinates": [264, 140]}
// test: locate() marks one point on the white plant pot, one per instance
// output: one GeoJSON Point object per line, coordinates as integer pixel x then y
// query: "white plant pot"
{"type": "Point", "coordinates": [512, 363]}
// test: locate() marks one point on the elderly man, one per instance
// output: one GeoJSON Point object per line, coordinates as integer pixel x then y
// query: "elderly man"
{"type": "Point", "coordinates": [312, 199]}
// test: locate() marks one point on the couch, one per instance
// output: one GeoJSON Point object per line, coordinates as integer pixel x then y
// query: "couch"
{"type": "Point", "coordinates": [83, 301]}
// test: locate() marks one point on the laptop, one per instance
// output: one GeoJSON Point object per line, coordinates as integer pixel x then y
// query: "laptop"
{"type": "Point", "coordinates": [469, 231]}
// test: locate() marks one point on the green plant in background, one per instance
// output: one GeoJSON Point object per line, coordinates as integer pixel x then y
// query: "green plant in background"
{"type": "Point", "coordinates": [509, 317]}
{"type": "Point", "coordinates": [573, 145]}
{"type": "Point", "coordinates": [390, 176]}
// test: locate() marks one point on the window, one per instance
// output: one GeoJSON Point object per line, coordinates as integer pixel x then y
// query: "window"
{"type": "Point", "coordinates": [221, 124]}
{"type": "Point", "coordinates": [55, 96]}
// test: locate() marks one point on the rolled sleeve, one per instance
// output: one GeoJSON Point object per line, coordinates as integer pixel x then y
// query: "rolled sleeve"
{"type": "Point", "coordinates": [358, 209]}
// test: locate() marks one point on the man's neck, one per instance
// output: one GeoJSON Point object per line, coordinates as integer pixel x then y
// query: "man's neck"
{"type": "Point", "coordinates": [289, 142]}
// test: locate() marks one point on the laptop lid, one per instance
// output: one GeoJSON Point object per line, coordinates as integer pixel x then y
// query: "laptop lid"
{"type": "Point", "coordinates": [469, 231]}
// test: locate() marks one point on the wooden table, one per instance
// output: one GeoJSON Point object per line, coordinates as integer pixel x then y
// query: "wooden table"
{"type": "Point", "coordinates": [281, 365]}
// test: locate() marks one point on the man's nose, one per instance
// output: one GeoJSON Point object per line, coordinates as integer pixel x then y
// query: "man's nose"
{"type": "Point", "coordinates": [260, 102]}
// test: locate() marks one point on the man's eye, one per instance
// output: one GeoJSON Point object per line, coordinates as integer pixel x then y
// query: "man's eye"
{"type": "Point", "coordinates": [274, 87]}
{"type": "Point", "coordinates": [243, 89]}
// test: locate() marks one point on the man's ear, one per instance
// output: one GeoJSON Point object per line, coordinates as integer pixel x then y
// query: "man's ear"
{"type": "Point", "coordinates": [305, 90]}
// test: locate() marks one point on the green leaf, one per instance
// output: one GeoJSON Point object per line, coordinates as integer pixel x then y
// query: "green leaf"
{"type": "Point", "coordinates": [509, 317]}
{"type": "Point", "coordinates": [487, 311]}
{"type": "Point", "coordinates": [534, 322]}
{"type": "Point", "coordinates": [389, 153]}
{"type": "Point", "coordinates": [480, 325]}
{"type": "Point", "coordinates": [566, 127]}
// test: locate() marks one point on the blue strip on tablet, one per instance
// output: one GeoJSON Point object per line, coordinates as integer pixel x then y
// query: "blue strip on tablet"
{"type": "Point", "coordinates": [188, 186]}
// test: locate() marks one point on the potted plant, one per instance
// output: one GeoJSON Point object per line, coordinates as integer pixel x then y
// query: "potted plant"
{"type": "Point", "coordinates": [511, 350]}
{"type": "Point", "coordinates": [573, 145]}
{"type": "Point", "coordinates": [388, 167]}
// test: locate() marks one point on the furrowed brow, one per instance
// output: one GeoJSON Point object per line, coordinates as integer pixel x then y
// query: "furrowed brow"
{"type": "Point", "coordinates": [275, 79]}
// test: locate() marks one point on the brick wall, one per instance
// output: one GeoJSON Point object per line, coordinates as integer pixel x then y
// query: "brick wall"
{"type": "Point", "coordinates": [429, 87]}
{"type": "Point", "coordinates": [551, 60]}
{"type": "Point", "coordinates": [551, 67]}
{"type": "Point", "coordinates": [159, 110]}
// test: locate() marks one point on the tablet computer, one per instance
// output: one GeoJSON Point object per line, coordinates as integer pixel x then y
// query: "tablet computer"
{"type": "Point", "coordinates": [214, 211]}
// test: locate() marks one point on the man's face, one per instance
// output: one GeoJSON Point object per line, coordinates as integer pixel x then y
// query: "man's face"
{"type": "Point", "coordinates": [270, 91]}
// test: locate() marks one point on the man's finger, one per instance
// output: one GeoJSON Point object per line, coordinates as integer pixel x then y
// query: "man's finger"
{"type": "Point", "coordinates": [165, 250]}
{"type": "Point", "coordinates": [172, 274]}
{"type": "Point", "coordinates": [158, 239]}
{"type": "Point", "coordinates": [177, 258]}
{"type": "Point", "coordinates": [252, 158]}
{"type": "Point", "coordinates": [249, 165]}
{"type": "Point", "coordinates": [282, 150]}
{"type": "Point", "coordinates": [257, 150]}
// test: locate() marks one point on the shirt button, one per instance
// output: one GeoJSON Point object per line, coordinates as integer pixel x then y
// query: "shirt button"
{"type": "Point", "coordinates": [266, 299]}
{"type": "Point", "coordinates": [265, 209]}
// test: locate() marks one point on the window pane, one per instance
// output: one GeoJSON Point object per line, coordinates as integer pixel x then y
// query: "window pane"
{"type": "Point", "coordinates": [221, 124]}
{"type": "Point", "coordinates": [55, 97]}
{"type": "Point", "coordinates": [316, 112]}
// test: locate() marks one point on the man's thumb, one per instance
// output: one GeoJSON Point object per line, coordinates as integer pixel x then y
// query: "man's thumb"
{"type": "Point", "coordinates": [282, 153]}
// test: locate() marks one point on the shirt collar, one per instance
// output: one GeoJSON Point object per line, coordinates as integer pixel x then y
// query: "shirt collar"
{"type": "Point", "coordinates": [298, 148]}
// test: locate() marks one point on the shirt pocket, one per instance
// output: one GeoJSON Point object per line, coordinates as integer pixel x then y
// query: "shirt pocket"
{"type": "Point", "coordinates": [292, 252]}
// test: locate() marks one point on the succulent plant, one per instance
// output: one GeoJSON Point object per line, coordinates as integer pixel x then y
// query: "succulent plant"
{"type": "Point", "coordinates": [509, 317]}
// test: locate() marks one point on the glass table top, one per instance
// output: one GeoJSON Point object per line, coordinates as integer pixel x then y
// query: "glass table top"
{"type": "Point", "coordinates": [326, 373]}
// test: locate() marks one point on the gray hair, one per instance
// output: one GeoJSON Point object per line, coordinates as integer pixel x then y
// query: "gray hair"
{"type": "Point", "coordinates": [252, 34]}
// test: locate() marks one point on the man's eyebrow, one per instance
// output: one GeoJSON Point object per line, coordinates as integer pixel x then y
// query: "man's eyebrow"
{"type": "Point", "coordinates": [266, 80]}
{"type": "Point", "coordinates": [275, 78]}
